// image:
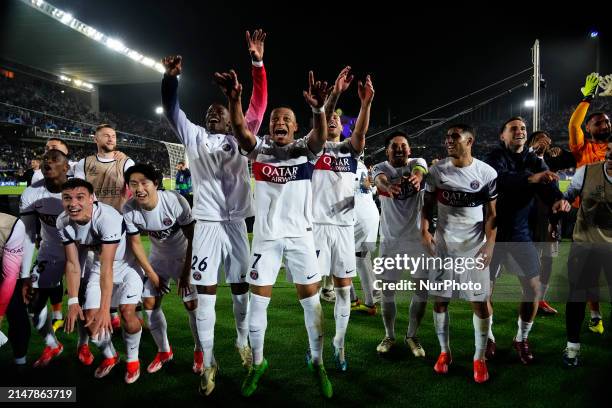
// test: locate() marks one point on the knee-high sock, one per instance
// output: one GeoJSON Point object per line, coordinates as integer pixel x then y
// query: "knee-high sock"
{"type": "Point", "coordinates": [342, 312]}
{"type": "Point", "coordinates": [490, 334]}
{"type": "Point", "coordinates": [132, 343]}
{"type": "Point", "coordinates": [105, 345]}
{"type": "Point", "coordinates": [389, 311]}
{"type": "Point", "coordinates": [313, 319]}
{"type": "Point", "coordinates": [353, 294]}
{"type": "Point", "coordinates": [194, 329]}
{"type": "Point", "coordinates": [418, 304]}
{"type": "Point", "coordinates": [258, 322]}
{"type": "Point", "coordinates": [481, 330]}
{"type": "Point", "coordinates": [158, 328]}
{"type": "Point", "coordinates": [367, 277]}
{"type": "Point", "coordinates": [523, 330]}
{"type": "Point", "coordinates": [240, 306]}
{"type": "Point", "coordinates": [205, 321]}
{"type": "Point", "coordinates": [441, 321]}
{"type": "Point", "coordinates": [42, 322]}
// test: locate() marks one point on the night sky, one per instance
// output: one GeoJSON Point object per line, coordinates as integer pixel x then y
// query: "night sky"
{"type": "Point", "coordinates": [418, 59]}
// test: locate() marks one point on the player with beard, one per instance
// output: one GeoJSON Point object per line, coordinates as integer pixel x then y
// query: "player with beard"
{"type": "Point", "coordinates": [587, 151]}
{"type": "Point", "coordinates": [333, 206]}
{"type": "Point", "coordinates": [399, 181]}
{"type": "Point", "coordinates": [42, 203]}
{"type": "Point", "coordinates": [222, 201]}
{"type": "Point", "coordinates": [282, 168]}
{"type": "Point", "coordinates": [465, 191]}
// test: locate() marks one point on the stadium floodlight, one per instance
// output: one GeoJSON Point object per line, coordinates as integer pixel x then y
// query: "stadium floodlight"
{"type": "Point", "coordinates": [135, 56]}
{"type": "Point", "coordinates": [39, 3]}
{"type": "Point", "coordinates": [66, 18]}
{"type": "Point", "coordinates": [78, 82]}
{"type": "Point", "coordinates": [160, 68]}
{"type": "Point", "coordinates": [65, 78]}
{"type": "Point", "coordinates": [529, 103]}
{"type": "Point", "coordinates": [115, 45]}
{"type": "Point", "coordinates": [159, 110]}
{"type": "Point", "coordinates": [148, 62]}
{"type": "Point", "coordinates": [594, 34]}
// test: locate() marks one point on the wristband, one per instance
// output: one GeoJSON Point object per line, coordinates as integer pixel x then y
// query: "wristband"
{"type": "Point", "coordinates": [73, 301]}
{"type": "Point", "coordinates": [319, 110]}
{"type": "Point", "coordinates": [258, 64]}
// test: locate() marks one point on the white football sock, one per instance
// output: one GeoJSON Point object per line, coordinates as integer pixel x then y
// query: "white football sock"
{"type": "Point", "coordinates": [342, 312]}
{"type": "Point", "coordinates": [367, 277]}
{"type": "Point", "coordinates": [57, 314]}
{"type": "Point", "coordinates": [158, 328]}
{"type": "Point", "coordinates": [42, 323]}
{"type": "Point", "coordinates": [258, 322]}
{"type": "Point", "coordinates": [313, 319]}
{"type": "Point", "coordinates": [105, 345]}
{"type": "Point", "coordinates": [575, 346]}
{"type": "Point", "coordinates": [490, 334]}
{"type": "Point", "coordinates": [595, 314]}
{"type": "Point", "coordinates": [481, 329]}
{"type": "Point", "coordinates": [240, 306]}
{"type": "Point", "coordinates": [389, 311]}
{"type": "Point", "coordinates": [194, 329]}
{"type": "Point", "coordinates": [132, 343]}
{"type": "Point", "coordinates": [418, 304]}
{"type": "Point", "coordinates": [441, 321]}
{"type": "Point", "coordinates": [523, 330]}
{"type": "Point", "coordinates": [205, 321]}
{"type": "Point", "coordinates": [83, 334]}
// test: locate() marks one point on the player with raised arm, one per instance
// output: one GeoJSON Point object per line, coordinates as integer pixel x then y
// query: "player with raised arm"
{"type": "Point", "coordinates": [222, 201]}
{"type": "Point", "coordinates": [282, 168]}
{"type": "Point", "coordinates": [165, 216]}
{"type": "Point", "coordinates": [399, 183]}
{"type": "Point", "coordinates": [463, 188]}
{"type": "Point", "coordinates": [333, 206]}
{"type": "Point", "coordinates": [87, 225]}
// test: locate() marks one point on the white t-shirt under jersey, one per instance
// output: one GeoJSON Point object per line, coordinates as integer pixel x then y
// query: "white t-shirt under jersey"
{"type": "Point", "coordinates": [105, 227]}
{"type": "Point", "coordinates": [283, 194]}
{"type": "Point", "coordinates": [365, 207]}
{"type": "Point", "coordinates": [461, 193]}
{"type": "Point", "coordinates": [79, 168]}
{"type": "Point", "coordinates": [37, 202]}
{"type": "Point", "coordinates": [400, 218]}
{"type": "Point", "coordinates": [333, 184]}
{"type": "Point", "coordinates": [162, 224]}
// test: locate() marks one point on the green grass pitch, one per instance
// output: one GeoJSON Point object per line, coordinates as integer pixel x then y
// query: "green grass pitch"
{"type": "Point", "coordinates": [370, 381]}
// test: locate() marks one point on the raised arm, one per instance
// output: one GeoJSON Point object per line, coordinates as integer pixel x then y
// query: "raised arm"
{"type": "Point", "coordinates": [366, 94]}
{"type": "Point", "coordinates": [576, 135]}
{"type": "Point", "coordinates": [342, 84]}
{"type": "Point", "coordinates": [228, 82]}
{"type": "Point", "coordinates": [259, 96]}
{"type": "Point", "coordinates": [315, 97]}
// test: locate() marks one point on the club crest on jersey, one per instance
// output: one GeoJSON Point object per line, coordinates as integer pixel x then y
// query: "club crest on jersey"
{"type": "Point", "coordinates": [167, 222]}
{"type": "Point", "coordinates": [254, 275]}
{"type": "Point", "coordinates": [475, 184]}
{"type": "Point", "coordinates": [197, 276]}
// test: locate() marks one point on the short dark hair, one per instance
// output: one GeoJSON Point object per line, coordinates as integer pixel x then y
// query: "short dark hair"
{"type": "Point", "coordinates": [464, 128]}
{"type": "Point", "coordinates": [512, 119]}
{"type": "Point", "coordinates": [534, 134]}
{"type": "Point", "coordinates": [181, 162]}
{"type": "Point", "coordinates": [149, 172]}
{"type": "Point", "coordinates": [592, 115]}
{"type": "Point", "coordinates": [59, 140]}
{"type": "Point", "coordinates": [395, 134]}
{"type": "Point", "coordinates": [104, 125]}
{"type": "Point", "coordinates": [73, 183]}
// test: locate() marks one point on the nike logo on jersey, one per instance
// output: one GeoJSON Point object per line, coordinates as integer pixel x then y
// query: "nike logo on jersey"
{"type": "Point", "coordinates": [311, 276]}
{"type": "Point", "coordinates": [347, 272]}
{"type": "Point", "coordinates": [131, 296]}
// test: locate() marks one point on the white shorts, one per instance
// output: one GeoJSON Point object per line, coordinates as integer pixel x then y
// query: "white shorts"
{"type": "Point", "coordinates": [407, 249]}
{"type": "Point", "coordinates": [300, 260]}
{"type": "Point", "coordinates": [366, 232]}
{"type": "Point", "coordinates": [476, 282]}
{"type": "Point", "coordinates": [217, 244]}
{"type": "Point", "coordinates": [128, 291]}
{"type": "Point", "coordinates": [335, 249]}
{"type": "Point", "coordinates": [47, 271]}
{"type": "Point", "coordinates": [167, 269]}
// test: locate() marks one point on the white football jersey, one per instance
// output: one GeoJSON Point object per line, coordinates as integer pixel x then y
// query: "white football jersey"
{"type": "Point", "coordinates": [365, 207]}
{"type": "Point", "coordinates": [38, 202]}
{"type": "Point", "coordinates": [162, 224]}
{"type": "Point", "coordinates": [283, 194]}
{"type": "Point", "coordinates": [333, 184]}
{"type": "Point", "coordinates": [461, 193]}
{"type": "Point", "coordinates": [219, 173]}
{"type": "Point", "coordinates": [105, 227]}
{"type": "Point", "coordinates": [400, 218]}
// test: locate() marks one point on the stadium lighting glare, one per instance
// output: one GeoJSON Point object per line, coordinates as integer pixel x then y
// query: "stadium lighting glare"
{"type": "Point", "coordinates": [529, 103]}
{"type": "Point", "coordinates": [159, 110]}
{"type": "Point", "coordinates": [65, 78]}
{"type": "Point", "coordinates": [159, 68]}
{"type": "Point", "coordinates": [594, 34]}
{"type": "Point", "coordinates": [78, 82]}
{"type": "Point", "coordinates": [112, 43]}
{"type": "Point", "coordinates": [66, 18]}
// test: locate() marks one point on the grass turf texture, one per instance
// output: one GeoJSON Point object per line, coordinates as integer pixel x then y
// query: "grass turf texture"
{"type": "Point", "coordinates": [370, 381]}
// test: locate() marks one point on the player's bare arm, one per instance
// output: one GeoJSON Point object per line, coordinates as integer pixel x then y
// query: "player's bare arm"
{"type": "Point", "coordinates": [315, 97]}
